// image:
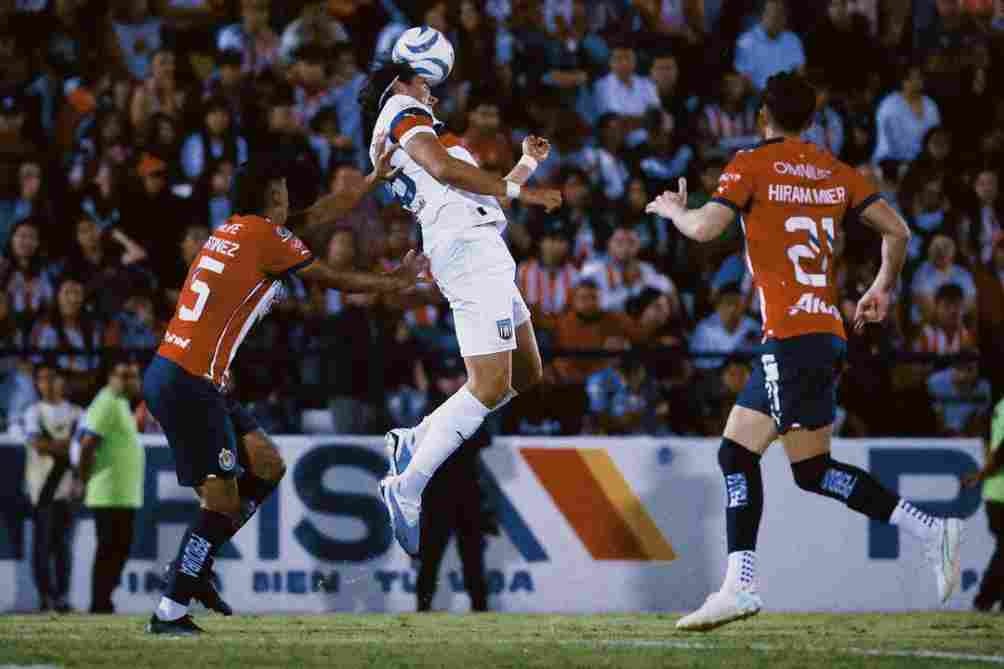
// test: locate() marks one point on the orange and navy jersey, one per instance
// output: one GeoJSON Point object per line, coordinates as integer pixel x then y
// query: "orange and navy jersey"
{"type": "Point", "coordinates": [231, 284]}
{"type": "Point", "coordinates": [791, 198]}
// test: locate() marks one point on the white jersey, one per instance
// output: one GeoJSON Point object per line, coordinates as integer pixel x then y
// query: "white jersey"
{"type": "Point", "coordinates": [401, 118]}
{"type": "Point", "coordinates": [42, 473]}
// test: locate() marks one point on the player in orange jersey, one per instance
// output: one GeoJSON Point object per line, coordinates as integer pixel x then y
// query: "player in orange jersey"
{"type": "Point", "coordinates": [232, 283]}
{"type": "Point", "coordinates": [791, 199]}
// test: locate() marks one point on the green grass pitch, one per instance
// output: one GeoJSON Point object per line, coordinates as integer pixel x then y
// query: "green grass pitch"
{"type": "Point", "coordinates": [778, 641]}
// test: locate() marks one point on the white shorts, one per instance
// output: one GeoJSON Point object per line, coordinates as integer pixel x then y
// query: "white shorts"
{"type": "Point", "coordinates": [477, 274]}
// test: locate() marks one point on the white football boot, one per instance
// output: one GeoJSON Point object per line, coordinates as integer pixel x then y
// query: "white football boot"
{"type": "Point", "coordinates": [943, 553]}
{"type": "Point", "coordinates": [400, 445]}
{"type": "Point", "coordinates": [721, 608]}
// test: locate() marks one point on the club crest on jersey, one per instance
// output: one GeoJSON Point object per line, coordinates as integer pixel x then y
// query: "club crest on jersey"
{"type": "Point", "coordinates": [285, 234]}
{"type": "Point", "coordinates": [227, 460]}
{"type": "Point", "coordinates": [505, 328]}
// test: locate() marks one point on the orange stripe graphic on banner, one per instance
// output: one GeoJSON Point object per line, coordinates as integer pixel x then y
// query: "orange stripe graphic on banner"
{"type": "Point", "coordinates": [595, 499]}
{"type": "Point", "coordinates": [630, 508]}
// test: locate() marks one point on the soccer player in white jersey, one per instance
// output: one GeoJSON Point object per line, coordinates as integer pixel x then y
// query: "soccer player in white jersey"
{"type": "Point", "coordinates": [457, 205]}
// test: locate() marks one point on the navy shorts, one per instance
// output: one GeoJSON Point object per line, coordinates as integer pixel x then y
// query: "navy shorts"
{"type": "Point", "coordinates": [201, 424]}
{"type": "Point", "coordinates": [794, 381]}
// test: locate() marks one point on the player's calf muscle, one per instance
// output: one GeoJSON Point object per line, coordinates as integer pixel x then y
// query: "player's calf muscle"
{"type": "Point", "coordinates": [263, 456]}
{"type": "Point", "coordinates": [221, 496]}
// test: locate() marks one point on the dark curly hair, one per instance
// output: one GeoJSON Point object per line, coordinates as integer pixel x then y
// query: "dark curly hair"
{"type": "Point", "coordinates": [374, 94]}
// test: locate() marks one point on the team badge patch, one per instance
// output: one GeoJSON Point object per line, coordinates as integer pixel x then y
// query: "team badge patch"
{"type": "Point", "coordinates": [505, 328]}
{"type": "Point", "coordinates": [284, 233]}
{"type": "Point", "coordinates": [227, 460]}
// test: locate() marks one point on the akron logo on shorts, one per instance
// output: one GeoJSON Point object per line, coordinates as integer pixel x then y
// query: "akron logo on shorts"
{"type": "Point", "coordinates": [227, 461]}
{"type": "Point", "coordinates": [505, 328]}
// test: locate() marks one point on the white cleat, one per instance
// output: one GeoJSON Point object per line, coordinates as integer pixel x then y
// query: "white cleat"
{"type": "Point", "coordinates": [944, 555]}
{"type": "Point", "coordinates": [721, 608]}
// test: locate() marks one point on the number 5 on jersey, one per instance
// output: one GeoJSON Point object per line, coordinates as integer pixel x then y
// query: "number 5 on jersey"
{"type": "Point", "coordinates": [200, 288]}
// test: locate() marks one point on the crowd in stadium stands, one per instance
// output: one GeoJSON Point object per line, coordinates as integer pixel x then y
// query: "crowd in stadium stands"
{"type": "Point", "coordinates": [122, 121]}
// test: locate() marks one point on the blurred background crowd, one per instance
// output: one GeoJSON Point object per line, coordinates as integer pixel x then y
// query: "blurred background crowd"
{"type": "Point", "coordinates": [122, 121]}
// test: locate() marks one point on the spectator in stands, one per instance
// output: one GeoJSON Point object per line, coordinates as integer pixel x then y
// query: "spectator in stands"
{"type": "Point", "coordinates": [16, 147]}
{"type": "Point", "coordinates": [160, 93]}
{"type": "Point", "coordinates": [841, 32]}
{"type": "Point", "coordinates": [138, 36]}
{"type": "Point", "coordinates": [22, 276]}
{"type": "Point", "coordinates": [252, 37]}
{"type": "Point", "coordinates": [961, 398]}
{"type": "Point", "coordinates": [485, 138]}
{"type": "Point", "coordinates": [586, 224]}
{"type": "Point", "coordinates": [730, 123]}
{"type": "Point", "coordinates": [314, 26]}
{"type": "Point", "coordinates": [30, 201]}
{"type": "Point", "coordinates": [988, 218]}
{"type": "Point", "coordinates": [990, 291]}
{"type": "Point", "coordinates": [991, 476]}
{"type": "Point", "coordinates": [717, 392]}
{"type": "Point", "coordinates": [48, 426]}
{"type": "Point", "coordinates": [331, 146]}
{"type": "Point", "coordinates": [406, 379]}
{"type": "Point", "coordinates": [347, 82]}
{"type": "Point", "coordinates": [585, 326]}
{"type": "Point", "coordinates": [229, 83]}
{"type": "Point", "coordinates": [111, 467]}
{"type": "Point", "coordinates": [621, 275]}
{"type": "Point", "coordinates": [929, 213]}
{"type": "Point", "coordinates": [68, 326]}
{"type": "Point", "coordinates": [769, 48]}
{"type": "Point", "coordinates": [903, 119]}
{"type": "Point", "coordinates": [951, 48]}
{"type": "Point", "coordinates": [216, 140]}
{"type": "Point", "coordinates": [475, 45]}
{"type": "Point", "coordinates": [939, 269]}
{"type": "Point", "coordinates": [654, 232]}
{"type": "Point", "coordinates": [665, 74]}
{"type": "Point", "coordinates": [212, 194]}
{"type": "Point", "coordinates": [623, 92]}
{"type": "Point", "coordinates": [621, 398]}
{"type": "Point", "coordinates": [11, 339]}
{"type": "Point", "coordinates": [309, 74]}
{"type": "Point", "coordinates": [192, 241]}
{"type": "Point", "coordinates": [546, 281]}
{"type": "Point", "coordinates": [664, 156]}
{"type": "Point", "coordinates": [136, 325]}
{"type": "Point", "coordinates": [827, 129]}
{"type": "Point", "coordinates": [728, 330]}
{"type": "Point", "coordinates": [655, 320]}
{"type": "Point", "coordinates": [569, 55]}
{"type": "Point", "coordinates": [102, 260]}
{"type": "Point", "coordinates": [155, 215]}
{"type": "Point", "coordinates": [945, 333]}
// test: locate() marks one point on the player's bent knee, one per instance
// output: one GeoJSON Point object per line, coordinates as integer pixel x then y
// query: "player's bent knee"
{"type": "Point", "coordinates": [264, 458]}
{"type": "Point", "coordinates": [809, 473]}
{"type": "Point", "coordinates": [221, 496]}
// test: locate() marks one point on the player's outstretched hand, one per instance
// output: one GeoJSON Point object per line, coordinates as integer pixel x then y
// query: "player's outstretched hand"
{"type": "Point", "coordinates": [537, 148]}
{"type": "Point", "coordinates": [670, 204]}
{"type": "Point", "coordinates": [412, 268]}
{"type": "Point", "coordinates": [548, 198]}
{"type": "Point", "coordinates": [872, 308]}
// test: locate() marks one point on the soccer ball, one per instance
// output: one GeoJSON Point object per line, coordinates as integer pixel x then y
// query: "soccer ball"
{"type": "Point", "coordinates": [427, 51]}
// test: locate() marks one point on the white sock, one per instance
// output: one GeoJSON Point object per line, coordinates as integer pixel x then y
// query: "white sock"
{"type": "Point", "coordinates": [742, 572]}
{"type": "Point", "coordinates": [456, 420]}
{"type": "Point", "coordinates": [920, 524]}
{"type": "Point", "coordinates": [423, 428]}
{"type": "Point", "coordinates": [168, 609]}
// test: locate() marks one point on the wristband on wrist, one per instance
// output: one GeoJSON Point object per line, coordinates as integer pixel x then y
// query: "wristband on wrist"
{"type": "Point", "coordinates": [512, 189]}
{"type": "Point", "coordinates": [529, 161]}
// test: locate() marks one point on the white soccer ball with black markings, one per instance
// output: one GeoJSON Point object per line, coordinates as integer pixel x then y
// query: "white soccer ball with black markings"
{"type": "Point", "coordinates": [427, 51]}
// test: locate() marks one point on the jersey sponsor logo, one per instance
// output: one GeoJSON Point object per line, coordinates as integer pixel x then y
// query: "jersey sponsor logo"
{"type": "Point", "coordinates": [802, 195]}
{"type": "Point", "coordinates": [227, 460]}
{"type": "Point", "coordinates": [222, 246]}
{"type": "Point", "coordinates": [803, 170]}
{"type": "Point", "coordinates": [505, 328]}
{"type": "Point", "coordinates": [812, 304]}
{"type": "Point", "coordinates": [175, 340]}
{"type": "Point", "coordinates": [729, 176]}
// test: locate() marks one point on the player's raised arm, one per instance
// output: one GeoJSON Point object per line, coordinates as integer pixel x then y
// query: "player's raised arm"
{"type": "Point", "coordinates": [426, 150]}
{"type": "Point", "coordinates": [402, 278]}
{"type": "Point", "coordinates": [535, 151]}
{"type": "Point", "coordinates": [874, 304]}
{"type": "Point", "coordinates": [702, 225]}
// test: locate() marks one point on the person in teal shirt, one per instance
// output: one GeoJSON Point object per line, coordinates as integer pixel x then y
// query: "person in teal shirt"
{"type": "Point", "coordinates": [992, 477]}
{"type": "Point", "coordinates": [112, 466]}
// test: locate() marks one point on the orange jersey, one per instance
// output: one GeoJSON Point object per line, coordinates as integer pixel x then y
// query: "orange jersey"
{"type": "Point", "coordinates": [791, 198]}
{"type": "Point", "coordinates": [231, 284]}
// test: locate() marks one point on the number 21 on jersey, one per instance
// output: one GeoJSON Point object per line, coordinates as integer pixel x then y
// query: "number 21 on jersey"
{"type": "Point", "coordinates": [200, 288]}
{"type": "Point", "coordinates": [799, 252]}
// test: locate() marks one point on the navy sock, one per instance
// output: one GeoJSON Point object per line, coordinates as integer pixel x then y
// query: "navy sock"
{"type": "Point", "coordinates": [210, 531]}
{"type": "Point", "coordinates": [851, 485]}
{"type": "Point", "coordinates": [744, 495]}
